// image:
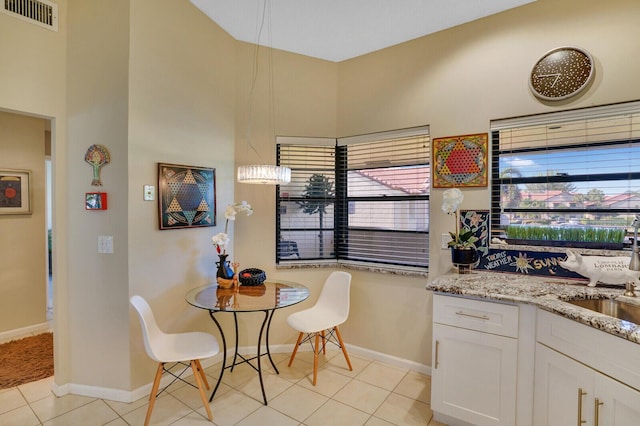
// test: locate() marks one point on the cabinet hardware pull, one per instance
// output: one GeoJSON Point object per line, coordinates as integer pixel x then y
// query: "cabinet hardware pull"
{"type": "Point", "coordinates": [581, 393]}
{"type": "Point", "coordinates": [437, 347]}
{"type": "Point", "coordinates": [464, 314]}
{"type": "Point", "coordinates": [597, 412]}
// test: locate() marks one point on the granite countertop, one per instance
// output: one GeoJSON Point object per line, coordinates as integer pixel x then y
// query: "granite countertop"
{"type": "Point", "coordinates": [550, 294]}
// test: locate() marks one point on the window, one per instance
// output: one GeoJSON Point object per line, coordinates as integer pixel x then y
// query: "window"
{"type": "Point", "coordinates": [570, 176]}
{"type": "Point", "coordinates": [357, 199]}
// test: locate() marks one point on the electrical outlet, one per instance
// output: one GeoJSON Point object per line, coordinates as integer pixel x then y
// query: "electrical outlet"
{"type": "Point", "coordinates": [445, 238]}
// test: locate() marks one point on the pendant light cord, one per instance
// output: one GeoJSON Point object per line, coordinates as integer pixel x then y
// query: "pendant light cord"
{"type": "Point", "coordinates": [260, 22]}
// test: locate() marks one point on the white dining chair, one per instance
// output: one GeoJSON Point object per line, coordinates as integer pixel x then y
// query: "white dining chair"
{"type": "Point", "coordinates": [321, 321]}
{"type": "Point", "coordinates": [186, 349]}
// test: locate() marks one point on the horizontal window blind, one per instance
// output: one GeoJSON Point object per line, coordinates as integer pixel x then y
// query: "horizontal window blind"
{"type": "Point", "coordinates": [306, 206]}
{"type": "Point", "coordinates": [577, 169]}
{"type": "Point", "coordinates": [366, 199]}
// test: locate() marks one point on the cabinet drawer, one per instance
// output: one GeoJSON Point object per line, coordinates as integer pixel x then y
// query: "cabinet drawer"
{"type": "Point", "coordinates": [488, 317]}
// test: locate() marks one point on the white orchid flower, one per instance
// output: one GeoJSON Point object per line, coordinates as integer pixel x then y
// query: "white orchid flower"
{"type": "Point", "coordinates": [451, 200]}
{"type": "Point", "coordinates": [220, 240]}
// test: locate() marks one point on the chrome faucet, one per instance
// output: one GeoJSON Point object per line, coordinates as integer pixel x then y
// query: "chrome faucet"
{"type": "Point", "coordinates": [634, 263]}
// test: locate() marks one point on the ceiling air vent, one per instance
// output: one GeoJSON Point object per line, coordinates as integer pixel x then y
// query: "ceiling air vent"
{"type": "Point", "coordinates": [39, 12]}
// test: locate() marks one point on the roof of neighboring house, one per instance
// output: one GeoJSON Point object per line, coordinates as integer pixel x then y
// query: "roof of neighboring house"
{"type": "Point", "coordinates": [417, 183]}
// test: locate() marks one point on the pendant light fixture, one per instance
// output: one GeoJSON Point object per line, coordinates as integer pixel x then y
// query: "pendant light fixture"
{"type": "Point", "coordinates": [262, 173]}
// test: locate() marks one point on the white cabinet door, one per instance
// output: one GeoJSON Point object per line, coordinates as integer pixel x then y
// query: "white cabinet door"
{"type": "Point", "coordinates": [474, 376]}
{"type": "Point", "coordinates": [618, 404]}
{"type": "Point", "coordinates": [563, 389]}
{"type": "Point", "coordinates": [567, 392]}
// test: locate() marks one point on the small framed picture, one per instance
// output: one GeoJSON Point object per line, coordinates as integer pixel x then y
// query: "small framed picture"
{"type": "Point", "coordinates": [95, 201]}
{"type": "Point", "coordinates": [15, 191]}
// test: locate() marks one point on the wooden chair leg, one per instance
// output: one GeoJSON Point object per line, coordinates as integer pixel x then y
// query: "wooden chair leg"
{"type": "Point", "coordinates": [344, 350]}
{"type": "Point", "coordinates": [316, 349]}
{"type": "Point", "coordinates": [194, 367]}
{"type": "Point", "coordinates": [154, 392]}
{"type": "Point", "coordinates": [201, 371]}
{"type": "Point", "coordinates": [295, 349]}
{"type": "Point", "coordinates": [324, 343]}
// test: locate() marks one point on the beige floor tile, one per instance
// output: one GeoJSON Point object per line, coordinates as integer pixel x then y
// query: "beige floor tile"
{"type": "Point", "coordinates": [374, 421]}
{"type": "Point", "coordinates": [307, 356]}
{"type": "Point", "coordinates": [361, 395]}
{"type": "Point", "coordinates": [339, 365]}
{"type": "Point", "coordinates": [95, 413]}
{"type": "Point", "coordinates": [382, 375]}
{"type": "Point", "coordinates": [21, 416]}
{"type": "Point", "coordinates": [194, 419]}
{"type": "Point", "coordinates": [118, 422]}
{"type": "Point", "coordinates": [37, 390]}
{"type": "Point", "coordinates": [274, 385]}
{"type": "Point", "coordinates": [298, 402]}
{"type": "Point", "coordinates": [52, 406]}
{"type": "Point", "coordinates": [10, 399]}
{"type": "Point", "coordinates": [403, 411]}
{"type": "Point", "coordinates": [327, 383]}
{"type": "Point", "coordinates": [267, 416]}
{"type": "Point", "coordinates": [298, 370]}
{"type": "Point", "coordinates": [240, 375]}
{"type": "Point", "coordinates": [166, 410]}
{"type": "Point", "coordinates": [337, 414]}
{"type": "Point", "coordinates": [415, 386]}
{"type": "Point", "coordinates": [231, 407]}
{"type": "Point", "coordinates": [123, 408]}
{"type": "Point", "coordinates": [374, 394]}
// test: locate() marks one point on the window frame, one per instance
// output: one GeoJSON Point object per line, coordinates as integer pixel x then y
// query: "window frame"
{"type": "Point", "coordinates": [344, 202]}
{"type": "Point", "coordinates": [610, 111]}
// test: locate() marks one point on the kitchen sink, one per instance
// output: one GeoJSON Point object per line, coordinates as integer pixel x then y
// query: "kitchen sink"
{"type": "Point", "coordinates": [611, 307]}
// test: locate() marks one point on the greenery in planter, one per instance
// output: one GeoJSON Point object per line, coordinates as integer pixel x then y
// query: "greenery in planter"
{"type": "Point", "coordinates": [561, 233]}
{"type": "Point", "coordinates": [462, 238]}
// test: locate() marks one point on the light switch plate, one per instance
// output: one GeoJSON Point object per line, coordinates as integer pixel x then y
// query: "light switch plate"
{"type": "Point", "coordinates": [149, 192]}
{"type": "Point", "coordinates": [105, 244]}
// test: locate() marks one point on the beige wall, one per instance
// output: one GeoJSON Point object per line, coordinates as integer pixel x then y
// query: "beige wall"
{"type": "Point", "coordinates": [155, 81]}
{"type": "Point", "coordinates": [23, 237]}
{"type": "Point", "coordinates": [456, 81]}
{"type": "Point", "coordinates": [181, 111]}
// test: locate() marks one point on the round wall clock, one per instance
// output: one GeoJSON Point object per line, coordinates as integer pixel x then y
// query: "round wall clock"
{"type": "Point", "coordinates": [561, 73]}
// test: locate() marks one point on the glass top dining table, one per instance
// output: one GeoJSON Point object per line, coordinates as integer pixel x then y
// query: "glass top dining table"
{"type": "Point", "coordinates": [266, 298]}
{"type": "Point", "coordinates": [273, 294]}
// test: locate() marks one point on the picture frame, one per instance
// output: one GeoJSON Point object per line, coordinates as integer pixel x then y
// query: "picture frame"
{"type": "Point", "coordinates": [460, 161]}
{"type": "Point", "coordinates": [186, 196]}
{"type": "Point", "coordinates": [15, 191]}
{"type": "Point", "coordinates": [95, 201]}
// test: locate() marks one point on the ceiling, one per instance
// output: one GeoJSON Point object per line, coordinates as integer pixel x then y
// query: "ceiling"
{"type": "Point", "coordinates": [336, 30]}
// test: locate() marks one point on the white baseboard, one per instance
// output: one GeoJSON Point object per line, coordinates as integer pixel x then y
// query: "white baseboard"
{"type": "Point", "coordinates": [135, 394]}
{"type": "Point", "coordinates": [19, 333]}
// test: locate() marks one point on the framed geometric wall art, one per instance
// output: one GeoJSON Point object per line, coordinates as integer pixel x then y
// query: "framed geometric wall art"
{"type": "Point", "coordinates": [15, 191]}
{"type": "Point", "coordinates": [460, 161]}
{"type": "Point", "coordinates": [186, 196]}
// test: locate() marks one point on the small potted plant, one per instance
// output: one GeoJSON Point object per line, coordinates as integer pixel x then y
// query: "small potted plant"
{"type": "Point", "coordinates": [463, 240]}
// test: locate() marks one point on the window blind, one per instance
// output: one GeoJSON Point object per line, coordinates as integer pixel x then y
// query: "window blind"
{"type": "Point", "coordinates": [570, 169]}
{"type": "Point", "coordinates": [365, 199]}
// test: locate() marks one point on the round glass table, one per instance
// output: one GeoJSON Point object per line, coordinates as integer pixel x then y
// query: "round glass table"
{"type": "Point", "coordinates": [267, 298]}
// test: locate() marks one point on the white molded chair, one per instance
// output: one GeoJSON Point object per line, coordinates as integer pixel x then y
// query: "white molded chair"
{"type": "Point", "coordinates": [177, 348]}
{"type": "Point", "coordinates": [321, 321]}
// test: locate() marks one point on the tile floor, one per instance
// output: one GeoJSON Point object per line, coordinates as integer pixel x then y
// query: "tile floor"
{"type": "Point", "coordinates": [373, 394]}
